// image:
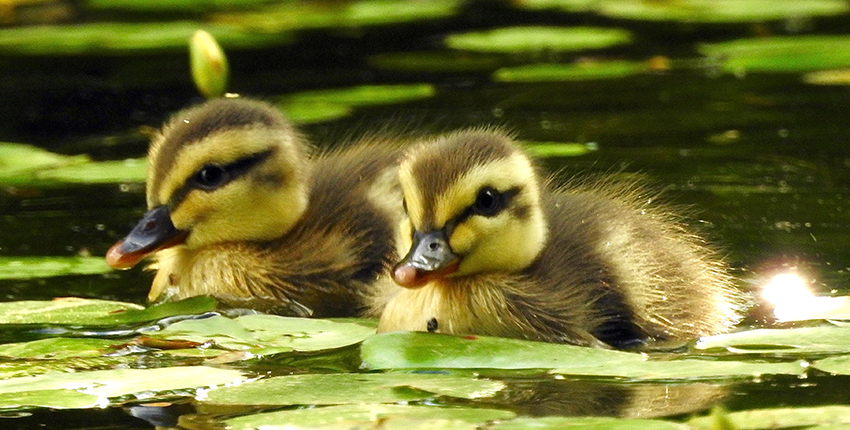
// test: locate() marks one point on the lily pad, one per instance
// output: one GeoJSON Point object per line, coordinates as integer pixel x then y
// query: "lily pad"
{"type": "Point", "coordinates": [100, 172]}
{"type": "Point", "coordinates": [828, 77]}
{"type": "Point", "coordinates": [44, 267]}
{"type": "Point", "coordinates": [57, 390]}
{"type": "Point", "coordinates": [720, 11]}
{"type": "Point", "coordinates": [351, 388]}
{"type": "Point", "coordinates": [413, 350]}
{"type": "Point", "coordinates": [111, 38]}
{"type": "Point", "coordinates": [585, 71]}
{"type": "Point", "coordinates": [309, 112]}
{"type": "Point", "coordinates": [781, 53]}
{"type": "Point", "coordinates": [535, 39]}
{"type": "Point", "coordinates": [17, 159]}
{"type": "Point", "coordinates": [558, 149]}
{"type": "Point", "coordinates": [268, 334]}
{"type": "Point", "coordinates": [56, 348]}
{"type": "Point", "coordinates": [365, 95]}
{"type": "Point", "coordinates": [586, 423]}
{"type": "Point", "coordinates": [780, 418]}
{"type": "Point", "coordinates": [835, 365]}
{"type": "Point", "coordinates": [95, 312]}
{"type": "Point", "coordinates": [172, 5]}
{"type": "Point", "coordinates": [564, 5]}
{"type": "Point", "coordinates": [364, 413]}
{"type": "Point", "coordinates": [297, 15]}
{"type": "Point", "coordinates": [796, 342]}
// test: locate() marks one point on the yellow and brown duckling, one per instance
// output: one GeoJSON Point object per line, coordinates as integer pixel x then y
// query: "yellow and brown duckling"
{"type": "Point", "coordinates": [239, 210]}
{"type": "Point", "coordinates": [495, 249]}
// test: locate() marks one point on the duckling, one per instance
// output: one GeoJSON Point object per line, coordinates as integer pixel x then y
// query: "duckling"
{"type": "Point", "coordinates": [239, 211]}
{"type": "Point", "coordinates": [495, 249]}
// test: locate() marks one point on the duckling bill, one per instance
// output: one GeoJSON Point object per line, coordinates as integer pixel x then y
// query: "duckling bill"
{"type": "Point", "coordinates": [493, 248]}
{"type": "Point", "coordinates": [240, 210]}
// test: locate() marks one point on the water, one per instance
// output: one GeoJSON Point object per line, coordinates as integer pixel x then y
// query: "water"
{"type": "Point", "coordinates": [763, 161]}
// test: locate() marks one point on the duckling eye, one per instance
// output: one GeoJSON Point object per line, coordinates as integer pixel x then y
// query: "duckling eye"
{"type": "Point", "coordinates": [489, 202]}
{"type": "Point", "coordinates": [211, 177]}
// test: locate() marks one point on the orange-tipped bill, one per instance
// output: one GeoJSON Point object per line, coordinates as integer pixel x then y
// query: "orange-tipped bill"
{"type": "Point", "coordinates": [153, 232]}
{"type": "Point", "coordinates": [430, 257]}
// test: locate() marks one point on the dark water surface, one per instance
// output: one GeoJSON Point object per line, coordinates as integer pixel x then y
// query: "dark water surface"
{"type": "Point", "coordinates": [762, 159]}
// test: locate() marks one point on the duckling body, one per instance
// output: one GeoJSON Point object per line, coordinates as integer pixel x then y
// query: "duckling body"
{"type": "Point", "coordinates": [494, 249]}
{"type": "Point", "coordinates": [242, 213]}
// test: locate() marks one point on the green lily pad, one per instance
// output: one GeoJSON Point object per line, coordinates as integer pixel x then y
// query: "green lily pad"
{"type": "Point", "coordinates": [586, 423]}
{"type": "Point", "coordinates": [835, 365]}
{"type": "Point", "coordinates": [781, 53]}
{"type": "Point", "coordinates": [564, 5]}
{"type": "Point", "coordinates": [123, 38]}
{"type": "Point", "coordinates": [719, 11]}
{"type": "Point", "coordinates": [585, 71]}
{"type": "Point", "coordinates": [780, 418]}
{"type": "Point", "coordinates": [558, 149]}
{"type": "Point", "coordinates": [22, 164]}
{"type": "Point", "coordinates": [56, 389]}
{"type": "Point", "coordinates": [172, 5]}
{"type": "Point", "coordinates": [363, 413]}
{"type": "Point", "coordinates": [796, 342]}
{"type": "Point", "coordinates": [268, 334]}
{"type": "Point", "coordinates": [310, 112]}
{"type": "Point", "coordinates": [95, 312]}
{"type": "Point", "coordinates": [364, 95]}
{"type": "Point", "coordinates": [56, 348]}
{"type": "Point", "coordinates": [287, 16]}
{"type": "Point", "coordinates": [535, 39]}
{"type": "Point", "coordinates": [351, 388]}
{"type": "Point", "coordinates": [422, 350]}
{"type": "Point", "coordinates": [100, 172]}
{"type": "Point", "coordinates": [434, 61]}
{"type": "Point", "coordinates": [43, 267]}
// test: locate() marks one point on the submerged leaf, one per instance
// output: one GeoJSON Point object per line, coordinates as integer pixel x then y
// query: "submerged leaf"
{"type": "Point", "coordinates": [534, 39]}
{"type": "Point", "coordinates": [350, 388]}
{"type": "Point", "coordinates": [365, 414]}
{"type": "Point", "coordinates": [569, 72]}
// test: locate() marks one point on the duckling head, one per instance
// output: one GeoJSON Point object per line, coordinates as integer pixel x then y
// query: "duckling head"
{"type": "Point", "coordinates": [473, 205]}
{"type": "Point", "coordinates": [227, 170]}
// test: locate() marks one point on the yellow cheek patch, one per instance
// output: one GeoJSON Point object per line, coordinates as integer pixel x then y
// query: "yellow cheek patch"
{"type": "Point", "coordinates": [463, 238]}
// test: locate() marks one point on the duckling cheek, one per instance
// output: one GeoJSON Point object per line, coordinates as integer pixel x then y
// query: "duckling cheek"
{"type": "Point", "coordinates": [463, 238]}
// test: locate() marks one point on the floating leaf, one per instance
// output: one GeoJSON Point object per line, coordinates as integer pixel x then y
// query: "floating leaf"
{"type": "Point", "coordinates": [720, 11]}
{"type": "Point", "coordinates": [43, 267]}
{"type": "Point", "coordinates": [268, 334]}
{"type": "Point", "coordinates": [410, 350]}
{"type": "Point", "coordinates": [564, 5]}
{"type": "Point", "coordinates": [781, 53]}
{"type": "Point", "coordinates": [56, 390]}
{"type": "Point", "coordinates": [100, 172]}
{"type": "Point", "coordinates": [309, 112]}
{"type": "Point", "coordinates": [836, 365]}
{"type": "Point", "coordinates": [123, 38]}
{"type": "Point", "coordinates": [95, 312]}
{"type": "Point", "coordinates": [289, 16]}
{"type": "Point", "coordinates": [780, 418]}
{"type": "Point", "coordinates": [17, 159]}
{"type": "Point", "coordinates": [210, 71]}
{"type": "Point", "coordinates": [351, 388]}
{"type": "Point", "coordinates": [798, 342]}
{"type": "Point", "coordinates": [586, 423]}
{"type": "Point", "coordinates": [584, 71]}
{"type": "Point", "coordinates": [535, 39]}
{"type": "Point", "coordinates": [56, 348]}
{"type": "Point", "coordinates": [364, 413]}
{"type": "Point", "coordinates": [172, 5]}
{"type": "Point", "coordinates": [828, 77]}
{"type": "Point", "coordinates": [365, 95]}
{"type": "Point", "coordinates": [558, 149]}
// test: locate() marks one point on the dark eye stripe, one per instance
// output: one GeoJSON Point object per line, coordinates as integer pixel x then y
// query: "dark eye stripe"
{"type": "Point", "coordinates": [229, 173]}
{"type": "Point", "coordinates": [471, 210]}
